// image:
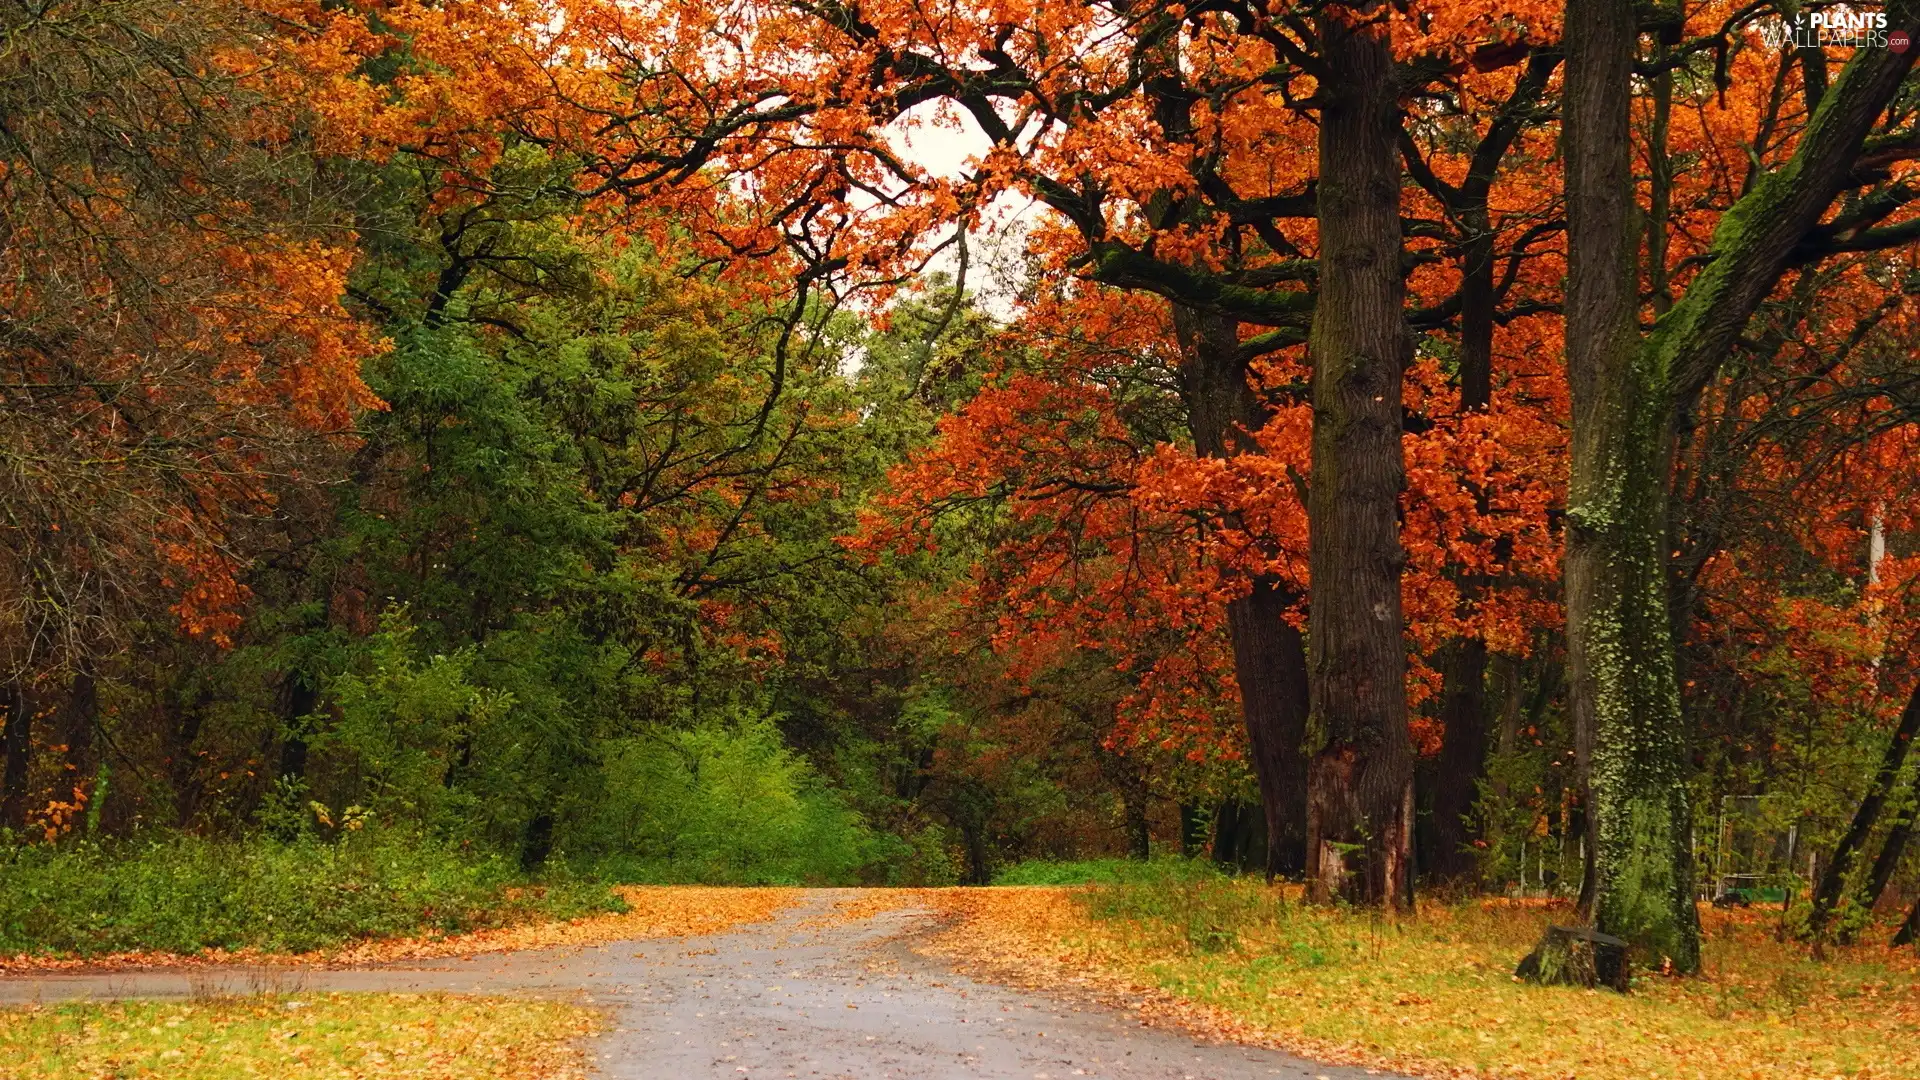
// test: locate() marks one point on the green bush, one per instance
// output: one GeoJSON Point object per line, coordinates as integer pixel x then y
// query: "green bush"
{"type": "Point", "coordinates": [724, 803]}
{"type": "Point", "coordinates": [184, 894]}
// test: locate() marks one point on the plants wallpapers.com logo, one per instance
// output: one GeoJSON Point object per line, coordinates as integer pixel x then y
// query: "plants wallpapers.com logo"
{"type": "Point", "coordinates": [1837, 27]}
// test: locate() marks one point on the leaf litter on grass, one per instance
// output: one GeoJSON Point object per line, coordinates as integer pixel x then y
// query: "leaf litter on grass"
{"type": "Point", "coordinates": [300, 1037]}
{"type": "Point", "coordinates": [1432, 994]}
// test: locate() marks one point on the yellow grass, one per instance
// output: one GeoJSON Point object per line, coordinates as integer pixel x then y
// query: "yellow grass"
{"type": "Point", "coordinates": [1434, 993]}
{"type": "Point", "coordinates": [302, 1037]}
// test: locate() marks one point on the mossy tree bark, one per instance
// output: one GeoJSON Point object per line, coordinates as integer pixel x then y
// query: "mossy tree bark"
{"type": "Point", "coordinates": [1629, 396]}
{"type": "Point", "coordinates": [1269, 654]}
{"type": "Point", "coordinates": [1620, 650]}
{"type": "Point", "coordinates": [1360, 779]}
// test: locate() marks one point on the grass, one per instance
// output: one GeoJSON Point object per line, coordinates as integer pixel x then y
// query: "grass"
{"type": "Point", "coordinates": [384, 1036]}
{"type": "Point", "coordinates": [1090, 872]}
{"type": "Point", "coordinates": [185, 894]}
{"type": "Point", "coordinates": [1433, 993]}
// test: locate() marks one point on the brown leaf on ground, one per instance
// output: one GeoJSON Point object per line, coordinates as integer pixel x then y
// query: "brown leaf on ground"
{"type": "Point", "coordinates": [1432, 993]}
{"type": "Point", "coordinates": [304, 1037]}
{"type": "Point", "coordinates": [1039, 937]}
{"type": "Point", "coordinates": [859, 905]}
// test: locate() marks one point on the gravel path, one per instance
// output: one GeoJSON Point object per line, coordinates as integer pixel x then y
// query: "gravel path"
{"type": "Point", "coordinates": [779, 999]}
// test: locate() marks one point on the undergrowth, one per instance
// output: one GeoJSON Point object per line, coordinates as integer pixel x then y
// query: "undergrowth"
{"type": "Point", "coordinates": [184, 894]}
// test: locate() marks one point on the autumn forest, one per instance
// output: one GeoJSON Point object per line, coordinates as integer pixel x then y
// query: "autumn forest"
{"type": "Point", "coordinates": [1384, 453]}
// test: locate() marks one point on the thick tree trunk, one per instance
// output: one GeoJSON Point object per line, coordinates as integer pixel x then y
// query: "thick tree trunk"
{"type": "Point", "coordinates": [1910, 929]}
{"type": "Point", "coordinates": [17, 737]}
{"type": "Point", "coordinates": [1826, 895]}
{"type": "Point", "coordinates": [1360, 779]}
{"type": "Point", "coordinates": [1269, 655]}
{"type": "Point", "coordinates": [1621, 681]}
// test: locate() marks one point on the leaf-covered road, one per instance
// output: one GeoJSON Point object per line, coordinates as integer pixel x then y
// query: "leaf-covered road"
{"type": "Point", "coordinates": [808, 995]}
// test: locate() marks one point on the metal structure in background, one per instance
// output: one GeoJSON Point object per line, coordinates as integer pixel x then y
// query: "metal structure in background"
{"type": "Point", "coordinates": [1757, 852]}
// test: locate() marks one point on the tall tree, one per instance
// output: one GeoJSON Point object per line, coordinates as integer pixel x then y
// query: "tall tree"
{"type": "Point", "coordinates": [1628, 392]}
{"type": "Point", "coordinates": [1360, 780]}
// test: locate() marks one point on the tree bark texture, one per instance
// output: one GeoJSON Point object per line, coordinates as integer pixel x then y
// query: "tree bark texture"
{"type": "Point", "coordinates": [1269, 654]}
{"type": "Point", "coordinates": [1621, 677]}
{"type": "Point", "coordinates": [1360, 778]}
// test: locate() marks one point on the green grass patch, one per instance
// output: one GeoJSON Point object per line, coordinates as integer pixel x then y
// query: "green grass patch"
{"type": "Point", "coordinates": [390, 1036]}
{"type": "Point", "coordinates": [184, 894]}
{"type": "Point", "coordinates": [1104, 872]}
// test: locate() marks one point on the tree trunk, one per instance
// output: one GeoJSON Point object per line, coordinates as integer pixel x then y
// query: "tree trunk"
{"type": "Point", "coordinates": [1133, 808]}
{"type": "Point", "coordinates": [1891, 851]}
{"type": "Point", "coordinates": [1269, 656]}
{"type": "Point", "coordinates": [975, 838]}
{"type": "Point", "coordinates": [18, 740]}
{"type": "Point", "coordinates": [1463, 667]}
{"type": "Point", "coordinates": [1910, 929]}
{"type": "Point", "coordinates": [183, 765]}
{"type": "Point", "coordinates": [1360, 779]}
{"type": "Point", "coordinates": [1456, 779]}
{"type": "Point", "coordinates": [1193, 830]}
{"type": "Point", "coordinates": [301, 698]}
{"type": "Point", "coordinates": [75, 724]}
{"type": "Point", "coordinates": [1826, 895]}
{"type": "Point", "coordinates": [1226, 825]}
{"type": "Point", "coordinates": [1463, 759]}
{"type": "Point", "coordinates": [536, 844]}
{"type": "Point", "coordinates": [1621, 681]}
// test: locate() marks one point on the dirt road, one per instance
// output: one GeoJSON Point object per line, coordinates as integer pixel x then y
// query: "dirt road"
{"type": "Point", "coordinates": [799, 997]}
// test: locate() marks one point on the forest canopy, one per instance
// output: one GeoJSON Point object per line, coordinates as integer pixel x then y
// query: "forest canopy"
{"type": "Point", "coordinates": [759, 441]}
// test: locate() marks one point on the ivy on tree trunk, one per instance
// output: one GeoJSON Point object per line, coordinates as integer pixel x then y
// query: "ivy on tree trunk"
{"type": "Point", "coordinates": [1629, 397]}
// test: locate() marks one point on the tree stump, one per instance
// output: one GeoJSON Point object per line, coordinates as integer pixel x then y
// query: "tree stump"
{"type": "Point", "coordinates": [1577, 956]}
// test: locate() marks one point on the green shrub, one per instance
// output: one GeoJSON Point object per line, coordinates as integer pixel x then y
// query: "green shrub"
{"type": "Point", "coordinates": [183, 894]}
{"type": "Point", "coordinates": [727, 804]}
